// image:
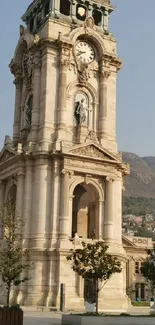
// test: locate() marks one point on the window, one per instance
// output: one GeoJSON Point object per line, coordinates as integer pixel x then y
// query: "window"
{"type": "Point", "coordinates": [31, 25]}
{"type": "Point", "coordinates": [97, 15]}
{"type": "Point", "coordinates": [137, 267]}
{"type": "Point", "coordinates": [81, 12]}
{"type": "Point", "coordinates": [65, 7]}
{"type": "Point", "coordinates": [47, 8]}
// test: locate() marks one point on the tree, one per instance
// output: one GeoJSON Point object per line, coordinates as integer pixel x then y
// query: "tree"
{"type": "Point", "coordinates": [11, 254]}
{"type": "Point", "coordinates": [148, 269]}
{"type": "Point", "coordinates": [92, 262]}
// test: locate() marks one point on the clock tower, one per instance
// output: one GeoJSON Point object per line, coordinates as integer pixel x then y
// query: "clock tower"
{"type": "Point", "coordinates": [62, 164]}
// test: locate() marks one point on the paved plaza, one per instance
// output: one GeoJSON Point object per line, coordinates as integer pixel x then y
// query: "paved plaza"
{"type": "Point", "coordinates": [54, 318]}
{"type": "Point", "coordinates": [41, 318]}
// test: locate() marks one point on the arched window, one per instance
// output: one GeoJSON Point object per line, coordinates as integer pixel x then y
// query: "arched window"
{"type": "Point", "coordinates": [81, 12]}
{"type": "Point", "coordinates": [47, 8]}
{"type": "Point", "coordinates": [65, 7]}
{"type": "Point", "coordinates": [28, 112]}
{"type": "Point", "coordinates": [97, 15]}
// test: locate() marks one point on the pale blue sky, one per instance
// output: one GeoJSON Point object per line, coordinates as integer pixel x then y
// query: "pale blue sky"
{"type": "Point", "coordinates": [134, 26]}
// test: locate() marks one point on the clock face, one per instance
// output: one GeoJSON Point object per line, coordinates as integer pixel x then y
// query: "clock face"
{"type": "Point", "coordinates": [84, 52]}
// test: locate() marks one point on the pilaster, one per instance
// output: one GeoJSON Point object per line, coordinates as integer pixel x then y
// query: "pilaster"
{"type": "Point", "coordinates": [109, 211]}
{"type": "Point", "coordinates": [40, 232]}
{"type": "Point", "coordinates": [28, 201]}
{"type": "Point", "coordinates": [20, 192]}
{"type": "Point", "coordinates": [64, 230]}
{"type": "Point", "coordinates": [62, 93]}
{"type": "Point", "coordinates": [17, 111]}
{"type": "Point", "coordinates": [36, 97]}
{"type": "Point", "coordinates": [2, 192]}
{"type": "Point", "coordinates": [103, 113]}
{"type": "Point", "coordinates": [56, 189]}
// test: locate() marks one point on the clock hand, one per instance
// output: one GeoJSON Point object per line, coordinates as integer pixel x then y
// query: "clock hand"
{"type": "Point", "coordinates": [79, 53]}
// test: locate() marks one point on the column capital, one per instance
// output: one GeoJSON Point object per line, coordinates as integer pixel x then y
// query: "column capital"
{"type": "Point", "coordinates": [20, 173]}
{"type": "Point", "coordinates": [104, 72]}
{"type": "Point", "coordinates": [69, 173]}
{"type": "Point", "coordinates": [110, 179]}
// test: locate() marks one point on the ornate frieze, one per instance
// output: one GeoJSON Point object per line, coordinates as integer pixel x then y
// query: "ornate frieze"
{"type": "Point", "coordinates": [90, 151]}
{"type": "Point", "coordinates": [95, 168]}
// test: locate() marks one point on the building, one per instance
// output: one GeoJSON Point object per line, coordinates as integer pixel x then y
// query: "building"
{"type": "Point", "coordinates": [136, 249]}
{"type": "Point", "coordinates": [62, 166]}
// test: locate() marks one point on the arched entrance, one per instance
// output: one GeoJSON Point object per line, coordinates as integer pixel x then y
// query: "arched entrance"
{"type": "Point", "coordinates": [85, 211]}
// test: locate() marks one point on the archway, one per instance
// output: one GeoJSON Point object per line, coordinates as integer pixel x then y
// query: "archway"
{"type": "Point", "coordinates": [85, 211]}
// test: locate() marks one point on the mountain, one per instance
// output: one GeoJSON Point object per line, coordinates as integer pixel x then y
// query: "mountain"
{"type": "Point", "coordinates": [141, 181]}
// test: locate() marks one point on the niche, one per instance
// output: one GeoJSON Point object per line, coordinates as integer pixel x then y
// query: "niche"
{"type": "Point", "coordinates": [97, 15]}
{"type": "Point", "coordinates": [65, 7]}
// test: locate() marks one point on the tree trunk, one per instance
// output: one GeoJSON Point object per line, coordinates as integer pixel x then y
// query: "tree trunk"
{"type": "Point", "coordinates": [97, 296]}
{"type": "Point", "coordinates": [8, 295]}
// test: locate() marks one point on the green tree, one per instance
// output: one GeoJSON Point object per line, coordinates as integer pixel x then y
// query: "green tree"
{"type": "Point", "coordinates": [12, 256]}
{"type": "Point", "coordinates": [92, 262]}
{"type": "Point", "coordinates": [148, 270]}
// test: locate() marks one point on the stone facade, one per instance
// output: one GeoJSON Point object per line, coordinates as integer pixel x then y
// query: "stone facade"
{"type": "Point", "coordinates": [136, 249]}
{"type": "Point", "coordinates": [62, 163]}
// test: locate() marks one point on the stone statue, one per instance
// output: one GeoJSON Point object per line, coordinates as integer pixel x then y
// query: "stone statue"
{"type": "Point", "coordinates": [7, 141]}
{"type": "Point", "coordinates": [80, 111]}
{"type": "Point", "coordinates": [28, 116]}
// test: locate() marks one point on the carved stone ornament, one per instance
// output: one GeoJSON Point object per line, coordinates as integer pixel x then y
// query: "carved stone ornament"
{"type": "Point", "coordinates": [8, 142]}
{"type": "Point", "coordinates": [91, 137]}
{"type": "Point", "coordinates": [90, 151]}
{"type": "Point", "coordinates": [27, 68]}
{"type": "Point", "coordinates": [89, 25]}
{"type": "Point", "coordinates": [83, 75]}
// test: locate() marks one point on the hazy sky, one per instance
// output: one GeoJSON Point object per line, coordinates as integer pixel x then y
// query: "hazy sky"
{"type": "Point", "coordinates": [134, 26]}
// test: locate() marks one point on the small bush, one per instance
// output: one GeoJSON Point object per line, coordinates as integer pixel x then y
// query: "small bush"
{"type": "Point", "coordinates": [141, 303]}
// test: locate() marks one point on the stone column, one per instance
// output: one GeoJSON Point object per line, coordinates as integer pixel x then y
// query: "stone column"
{"type": "Point", "coordinates": [90, 10]}
{"type": "Point", "coordinates": [62, 94]}
{"type": "Point", "coordinates": [106, 20]}
{"type": "Point", "coordinates": [64, 216]}
{"type": "Point", "coordinates": [101, 218]}
{"type": "Point", "coordinates": [20, 192]}
{"type": "Point", "coordinates": [56, 190]}
{"type": "Point", "coordinates": [117, 187]}
{"type": "Point", "coordinates": [103, 113]}
{"type": "Point", "coordinates": [56, 8]}
{"type": "Point", "coordinates": [73, 10]}
{"type": "Point", "coordinates": [36, 97]}
{"type": "Point", "coordinates": [2, 192]}
{"type": "Point", "coordinates": [50, 7]}
{"type": "Point", "coordinates": [17, 111]}
{"type": "Point", "coordinates": [41, 207]}
{"type": "Point", "coordinates": [28, 201]}
{"type": "Point", "coordinates": [109, 211]}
